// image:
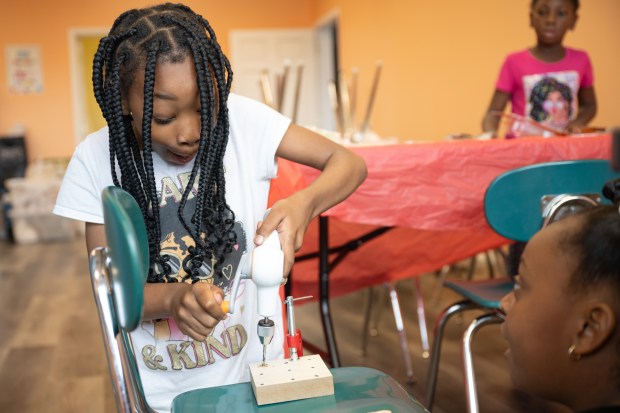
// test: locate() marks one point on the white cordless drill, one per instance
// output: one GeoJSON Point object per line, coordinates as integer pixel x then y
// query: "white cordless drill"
{"type": "Point", "coordinates": [265, 267]}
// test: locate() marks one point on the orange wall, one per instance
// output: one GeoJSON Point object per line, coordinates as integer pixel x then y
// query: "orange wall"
{"type": "Point", "coordinates": [441, 57]}
{"type": "Point", "coordinates": [48, 117]}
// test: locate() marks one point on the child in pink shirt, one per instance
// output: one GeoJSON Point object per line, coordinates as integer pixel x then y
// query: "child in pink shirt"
{"type": "Point", "coordinates": [548, 83]}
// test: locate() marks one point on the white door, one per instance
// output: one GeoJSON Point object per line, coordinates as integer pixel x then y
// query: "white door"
{"type": "Point", "coordinates": [255, 51]}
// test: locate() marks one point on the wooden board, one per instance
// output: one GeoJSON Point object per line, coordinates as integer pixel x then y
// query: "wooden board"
{"type": "Point", "coordinates": [286, 380]}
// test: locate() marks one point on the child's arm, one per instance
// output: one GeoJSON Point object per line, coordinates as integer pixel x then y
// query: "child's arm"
{"type": "Point", "coordinates": [195, 307]}
{"type": "Point", "coordinates": [587, 110]}
{"type": "Point", "coordinates": [342, 172]}
{"type": "Point", "coordinates": [490, 122]}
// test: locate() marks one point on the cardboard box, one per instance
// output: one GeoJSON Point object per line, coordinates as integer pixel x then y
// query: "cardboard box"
{"type": "Point", "coordinates": [31, 203]}
{"type": "Point", "coordinates": [30, 229]}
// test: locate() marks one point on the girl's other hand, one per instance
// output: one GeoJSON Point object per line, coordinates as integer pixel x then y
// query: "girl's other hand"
{"type": "Point", "coordinates": [196, 309]}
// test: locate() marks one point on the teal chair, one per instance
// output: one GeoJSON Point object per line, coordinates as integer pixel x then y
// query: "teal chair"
{"type": "Point", "coordinates": [516, 205]}
{"type": "Point", "coordinates": [118, 275]}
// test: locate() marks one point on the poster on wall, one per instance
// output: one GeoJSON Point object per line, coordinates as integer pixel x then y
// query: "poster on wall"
{"type": "Point", "coordinates": [24, 69]}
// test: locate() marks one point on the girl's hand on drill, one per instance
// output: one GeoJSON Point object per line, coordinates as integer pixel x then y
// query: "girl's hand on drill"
{"type": "Point", "coordinates": [290, 218]}
{"type": "Point", "coordinates": [196, 308]}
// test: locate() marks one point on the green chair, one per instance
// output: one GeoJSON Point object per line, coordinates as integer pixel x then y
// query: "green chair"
{"type": "Point", "coordinates": [516, 204]}
{"type": "Point", "coordinates": [118, 275]}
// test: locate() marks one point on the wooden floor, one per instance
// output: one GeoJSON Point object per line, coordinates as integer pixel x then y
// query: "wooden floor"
{"type": "Point", "coordinates": [52, 357]}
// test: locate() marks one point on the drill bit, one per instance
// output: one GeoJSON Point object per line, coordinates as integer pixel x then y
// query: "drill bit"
{"type": "Point", "coordinates": [264, 355]}
{"type": "Point", "coordinates": [265, 330]}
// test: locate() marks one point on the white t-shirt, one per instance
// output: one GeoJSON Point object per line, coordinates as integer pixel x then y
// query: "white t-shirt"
{"type": "Point", "coordinates": [170, 362]}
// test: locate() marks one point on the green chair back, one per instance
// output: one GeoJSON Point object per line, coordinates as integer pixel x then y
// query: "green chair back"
{"type": "Point", "coordinates": [128, 251]}
{"type": "Point", "coordinates": [512, 202]}
{"type": "Point", "coordinates": [127, 268]}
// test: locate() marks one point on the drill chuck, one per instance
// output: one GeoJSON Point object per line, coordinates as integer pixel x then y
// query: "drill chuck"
{"type": "Point", "coordinates": [265, 330]}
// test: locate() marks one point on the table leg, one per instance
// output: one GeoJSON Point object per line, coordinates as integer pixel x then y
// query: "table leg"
{"type": "Point", "coordinates": [328, 328]}
{"type": "Point", "coordinates": [325, 266]}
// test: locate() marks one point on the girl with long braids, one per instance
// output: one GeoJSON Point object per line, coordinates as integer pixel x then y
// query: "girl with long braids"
{"type": "Point", "coordinates": [198, 160]}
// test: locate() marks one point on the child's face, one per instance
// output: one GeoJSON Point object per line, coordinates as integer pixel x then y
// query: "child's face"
{"type": "Point", "coordinates": [551, 19]}
{"type": "Point", "coordinates": [538, 315]}
{"type": "Point", "coordinates": [175, 129]}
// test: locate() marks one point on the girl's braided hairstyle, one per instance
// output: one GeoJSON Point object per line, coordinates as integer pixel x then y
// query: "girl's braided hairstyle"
{"type": "Point", "coordinates": [138, 40]}
{"type": "Point", "coordinates": [595, 244]}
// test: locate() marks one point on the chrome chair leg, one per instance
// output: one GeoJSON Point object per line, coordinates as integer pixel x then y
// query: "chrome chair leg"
{"type": "Point", "coordinates": [422, 318]}
{"type": "Point", "coordinates": [105, 311]}
{"type": "Point", "coordinates": [468, 366]}
{"type": "Point", "coordinates": [440, 323]}
{"type": "Point", "coordinates": [401, 331]}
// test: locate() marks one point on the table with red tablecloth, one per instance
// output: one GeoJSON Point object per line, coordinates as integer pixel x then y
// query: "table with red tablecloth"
{"type": "Point", "coordinates": [431, 193]}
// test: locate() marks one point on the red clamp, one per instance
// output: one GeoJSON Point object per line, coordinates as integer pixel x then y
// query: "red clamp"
{"type": "Point", "coordinates": [295, 342]}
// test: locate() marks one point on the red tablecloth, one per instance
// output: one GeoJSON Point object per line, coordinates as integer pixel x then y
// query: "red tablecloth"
{"type": "Point", "coordinates": [432, 192]}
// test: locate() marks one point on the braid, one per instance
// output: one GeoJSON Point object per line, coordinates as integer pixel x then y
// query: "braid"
{"type": "Point", "coordinates": [596, 243]}
{"type": "Point", "coordinates": [203, 247]}
{"type": "Point", "coordinates": [116, 123]}
{"type": "Point", "coordinates": [160, 272]}
{"type": "Point", "coordinates": [138, 40]}
{"type": "Point", "coordinates": [217, 212]}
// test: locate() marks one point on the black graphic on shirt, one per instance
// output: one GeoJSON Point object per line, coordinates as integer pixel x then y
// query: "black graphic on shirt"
{"type": "Point", "coordinates": [176, 240]}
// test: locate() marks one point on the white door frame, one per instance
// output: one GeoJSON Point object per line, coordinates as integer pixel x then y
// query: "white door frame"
{"type": "Point", "coordinates": [77, 75]}
{"type": "Point", "coordinates": [327, 67]}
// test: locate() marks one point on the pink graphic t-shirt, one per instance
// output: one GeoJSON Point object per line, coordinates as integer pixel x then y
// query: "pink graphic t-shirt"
{"type": "Point", "coordinates": [546, 92]}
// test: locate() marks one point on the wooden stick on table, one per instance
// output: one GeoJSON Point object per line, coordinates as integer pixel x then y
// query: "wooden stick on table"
{"type": "Point", "coordinates": [371, 100]}
{"type": "Point", "coordinates": [345, 107]}
{"type": "Point", "coordinates": [353, 94]}
{"type": "Point", "coordinates": [281, 85]}
{"type": "Point", "coordinates": [515, 117]}
{"type": "Point", "coordinates": [300, 71]}
{"type": "Point", "coordinates": [265, 88]}
{"type": "Point", "coordinates": [333, 97]}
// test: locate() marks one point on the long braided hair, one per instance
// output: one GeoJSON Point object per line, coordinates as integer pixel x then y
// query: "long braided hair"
{"type": "Point", "coordinates": [138, 40]}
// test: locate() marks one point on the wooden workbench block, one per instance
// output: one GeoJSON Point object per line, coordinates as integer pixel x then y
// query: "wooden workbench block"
{"type": "Point", "coordinates": [285, 380]}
